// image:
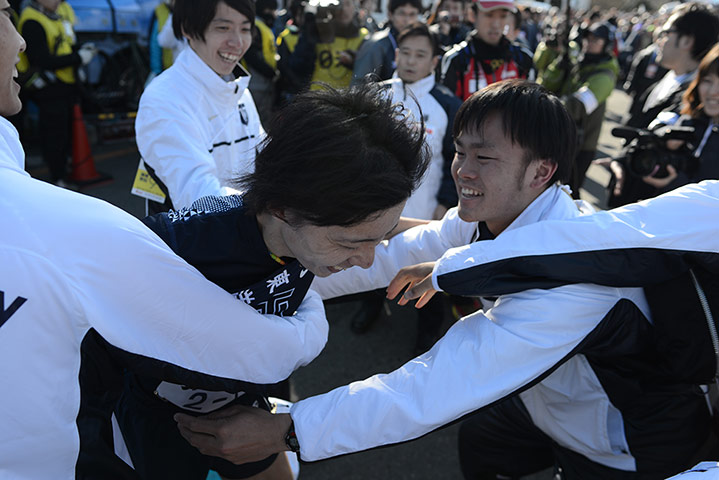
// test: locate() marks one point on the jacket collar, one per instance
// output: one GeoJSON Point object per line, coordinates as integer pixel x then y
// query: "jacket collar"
{"type": "Point", "coordinates": [419, 88]}
{"type": "Point", "coordinates": [11, 153]}
{"type": "Point", "coordinates": [222, 91]}
{"type": "Point", "coordinates": [555, 203]}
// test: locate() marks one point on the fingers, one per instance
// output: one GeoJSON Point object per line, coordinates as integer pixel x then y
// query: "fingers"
{"type": "Point", "coordinates": [205, 443]}
{"type": "Point", "coordinates": [401, 280]}
{"type": "Point", "coordinates": [604, 161]}
{"type": "Point", "coordinates": [410, 277]}
{"type": "Point", "coordinates": [422, 290]}
{"type": "Point", "coordinates": [195, 424]}
{"type": "Point", "coordinates": [425, 298]}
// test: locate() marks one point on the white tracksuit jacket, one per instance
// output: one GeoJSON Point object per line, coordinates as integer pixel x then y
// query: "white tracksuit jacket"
{"type": "Point", "coordinates": [537, 340]}
{"type": "Point", "coordinates": [426, 94]}
{"type": "Point", "coordinates": [197, 131]}
{"type": "Point", "coordinates": [69, 263]}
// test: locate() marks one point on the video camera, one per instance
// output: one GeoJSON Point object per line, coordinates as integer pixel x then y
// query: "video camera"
{"type": "Point", "coordinates": [646, 152]}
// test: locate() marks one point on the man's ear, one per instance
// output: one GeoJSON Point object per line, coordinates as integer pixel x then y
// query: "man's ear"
{"type": "Point", "coordinates": [279, 214]}
{"type": "Point", "coordinates": [184, 34]}
{"type": "Point", "coordinates": [543, 172]}
{"type": "Point", "coordinates": [396, 55]}
{"type": "Point", "coordinates": [435, 62]}
{"type": "Point", "coordinates": [686, 42]}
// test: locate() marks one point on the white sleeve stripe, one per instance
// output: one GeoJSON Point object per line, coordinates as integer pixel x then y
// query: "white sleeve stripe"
{"type": "Point", "coordinates": [587, 98]}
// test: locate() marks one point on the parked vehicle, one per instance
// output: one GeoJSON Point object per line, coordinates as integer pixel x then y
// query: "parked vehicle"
{"type": "Point", "coordinates": [114, 80]}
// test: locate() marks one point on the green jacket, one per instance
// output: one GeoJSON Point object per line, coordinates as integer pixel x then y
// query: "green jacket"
{"type": "Point", "coordinates": [584, 92]}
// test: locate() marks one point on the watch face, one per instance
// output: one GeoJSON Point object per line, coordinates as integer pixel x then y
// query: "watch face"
{"type": "Point", "coordinates": [291, 439]}
{"type": "Point", "coordinates": [293, 443]}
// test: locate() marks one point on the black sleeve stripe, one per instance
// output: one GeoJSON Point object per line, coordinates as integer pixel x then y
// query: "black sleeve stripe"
{"type": "Point", "coordinates": [633, 267]}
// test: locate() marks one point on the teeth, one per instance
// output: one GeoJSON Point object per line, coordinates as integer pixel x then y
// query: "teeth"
{"type": "Point", "coordinates": [229, 57]}
{"type": "Point", "coordinates": [471, 193]}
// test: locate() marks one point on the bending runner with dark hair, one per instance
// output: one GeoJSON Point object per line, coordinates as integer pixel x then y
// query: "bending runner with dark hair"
{"type": "Point", "coordinates": [327, 188]}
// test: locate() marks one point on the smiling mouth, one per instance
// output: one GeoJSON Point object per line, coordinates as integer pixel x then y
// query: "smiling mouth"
{"type": "Point", "coordinates": [469, 193]}
{"type": "Point", "coordinates": [228, 57]}
{"type": "Point", "coordinates": [335, 269]}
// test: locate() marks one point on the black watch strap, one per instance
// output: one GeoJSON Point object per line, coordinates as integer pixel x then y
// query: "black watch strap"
{"type": "Point", "coordinates": [291, 439]}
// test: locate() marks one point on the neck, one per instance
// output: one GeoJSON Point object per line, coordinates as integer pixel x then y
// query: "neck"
{"type": "Point", "coordinates": [271, 229]}
{"type": "Point", "coordinates": [687, 65]}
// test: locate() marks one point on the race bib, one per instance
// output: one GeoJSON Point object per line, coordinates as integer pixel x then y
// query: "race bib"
{"type": "Point", "coordinates": [194, 400]}
{"type": "Point", "coordinates": [144, 186]}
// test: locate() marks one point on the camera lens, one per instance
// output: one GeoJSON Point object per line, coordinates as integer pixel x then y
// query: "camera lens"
{"type": "Point", "coordinates": [643, 162]}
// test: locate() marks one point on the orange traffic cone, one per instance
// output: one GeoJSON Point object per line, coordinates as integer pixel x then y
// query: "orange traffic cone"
{"type": "Point", "coordinates": [83, 165]}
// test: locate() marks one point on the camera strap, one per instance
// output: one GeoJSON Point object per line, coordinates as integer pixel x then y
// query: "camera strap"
{"type": "Point", "coordinates": [705, 139]}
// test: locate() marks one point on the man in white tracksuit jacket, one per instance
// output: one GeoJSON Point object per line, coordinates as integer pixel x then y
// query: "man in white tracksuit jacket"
{"type": "Point", "coordinates": [197, 126]}
{"type": "Point", "coordinates": [130, 288]}
{"type": "Point", "coordinates": [561, 373]}
{"type": "Point", "coordinates": [414, 84]}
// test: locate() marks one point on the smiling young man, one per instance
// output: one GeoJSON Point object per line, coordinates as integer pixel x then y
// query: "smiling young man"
{"type": "Point", "coordinates": [197, 126]}
{"type": "Point", "coordinates": [11, 44]}
{"type": "Point", "coordinates": [557, 371]}
{"type": "Point", "coordinates": [486, 56]}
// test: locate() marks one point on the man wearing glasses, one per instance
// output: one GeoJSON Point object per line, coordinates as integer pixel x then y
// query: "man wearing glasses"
{"type": "Point", "coordinates": [685, 37]}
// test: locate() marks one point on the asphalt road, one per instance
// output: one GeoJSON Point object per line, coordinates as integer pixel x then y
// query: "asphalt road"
{"type": "Point", "coordinates": [348, 356]}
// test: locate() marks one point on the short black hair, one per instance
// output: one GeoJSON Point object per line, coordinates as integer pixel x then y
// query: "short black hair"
{"type": "Point", "coordinates": [532, 117]}
{"type": "Point", "coordinates": [395, 4]}
{"type": "Point", "coordinates": [419, 29]}
{"type": "Point", "coordinates": [696, 20]}
{"type": "Point", "coordinates": [194, 16]}
{"type": "Point", "coordinates": [337, 157]}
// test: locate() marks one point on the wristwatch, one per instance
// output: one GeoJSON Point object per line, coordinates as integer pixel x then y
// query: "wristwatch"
{"type": "Point", "coordinates": [291, 439]}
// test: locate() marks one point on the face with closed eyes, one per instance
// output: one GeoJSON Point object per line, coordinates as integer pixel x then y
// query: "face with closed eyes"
{"type": "Point", "coordinates": [227, 39]}
{"type": "Point", "coordinates": [325, 250]}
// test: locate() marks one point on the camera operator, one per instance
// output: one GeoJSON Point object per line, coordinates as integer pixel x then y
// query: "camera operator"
{"type": "Point", "coordinates": [328, 43]}
{"type": "Point", "coordinates": [685, 38]}
{"type": "Point", "coordinates": [450, 26]}
{"type": "Point", "coordinates": [700, 110]}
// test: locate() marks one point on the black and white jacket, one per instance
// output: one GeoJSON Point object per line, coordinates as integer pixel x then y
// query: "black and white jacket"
{"type": "Point", "coordinates": [582, 356]}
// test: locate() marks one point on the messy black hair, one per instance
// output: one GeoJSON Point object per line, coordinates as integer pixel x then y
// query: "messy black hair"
{"type": "Point", "coordinates": [337, 157]}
